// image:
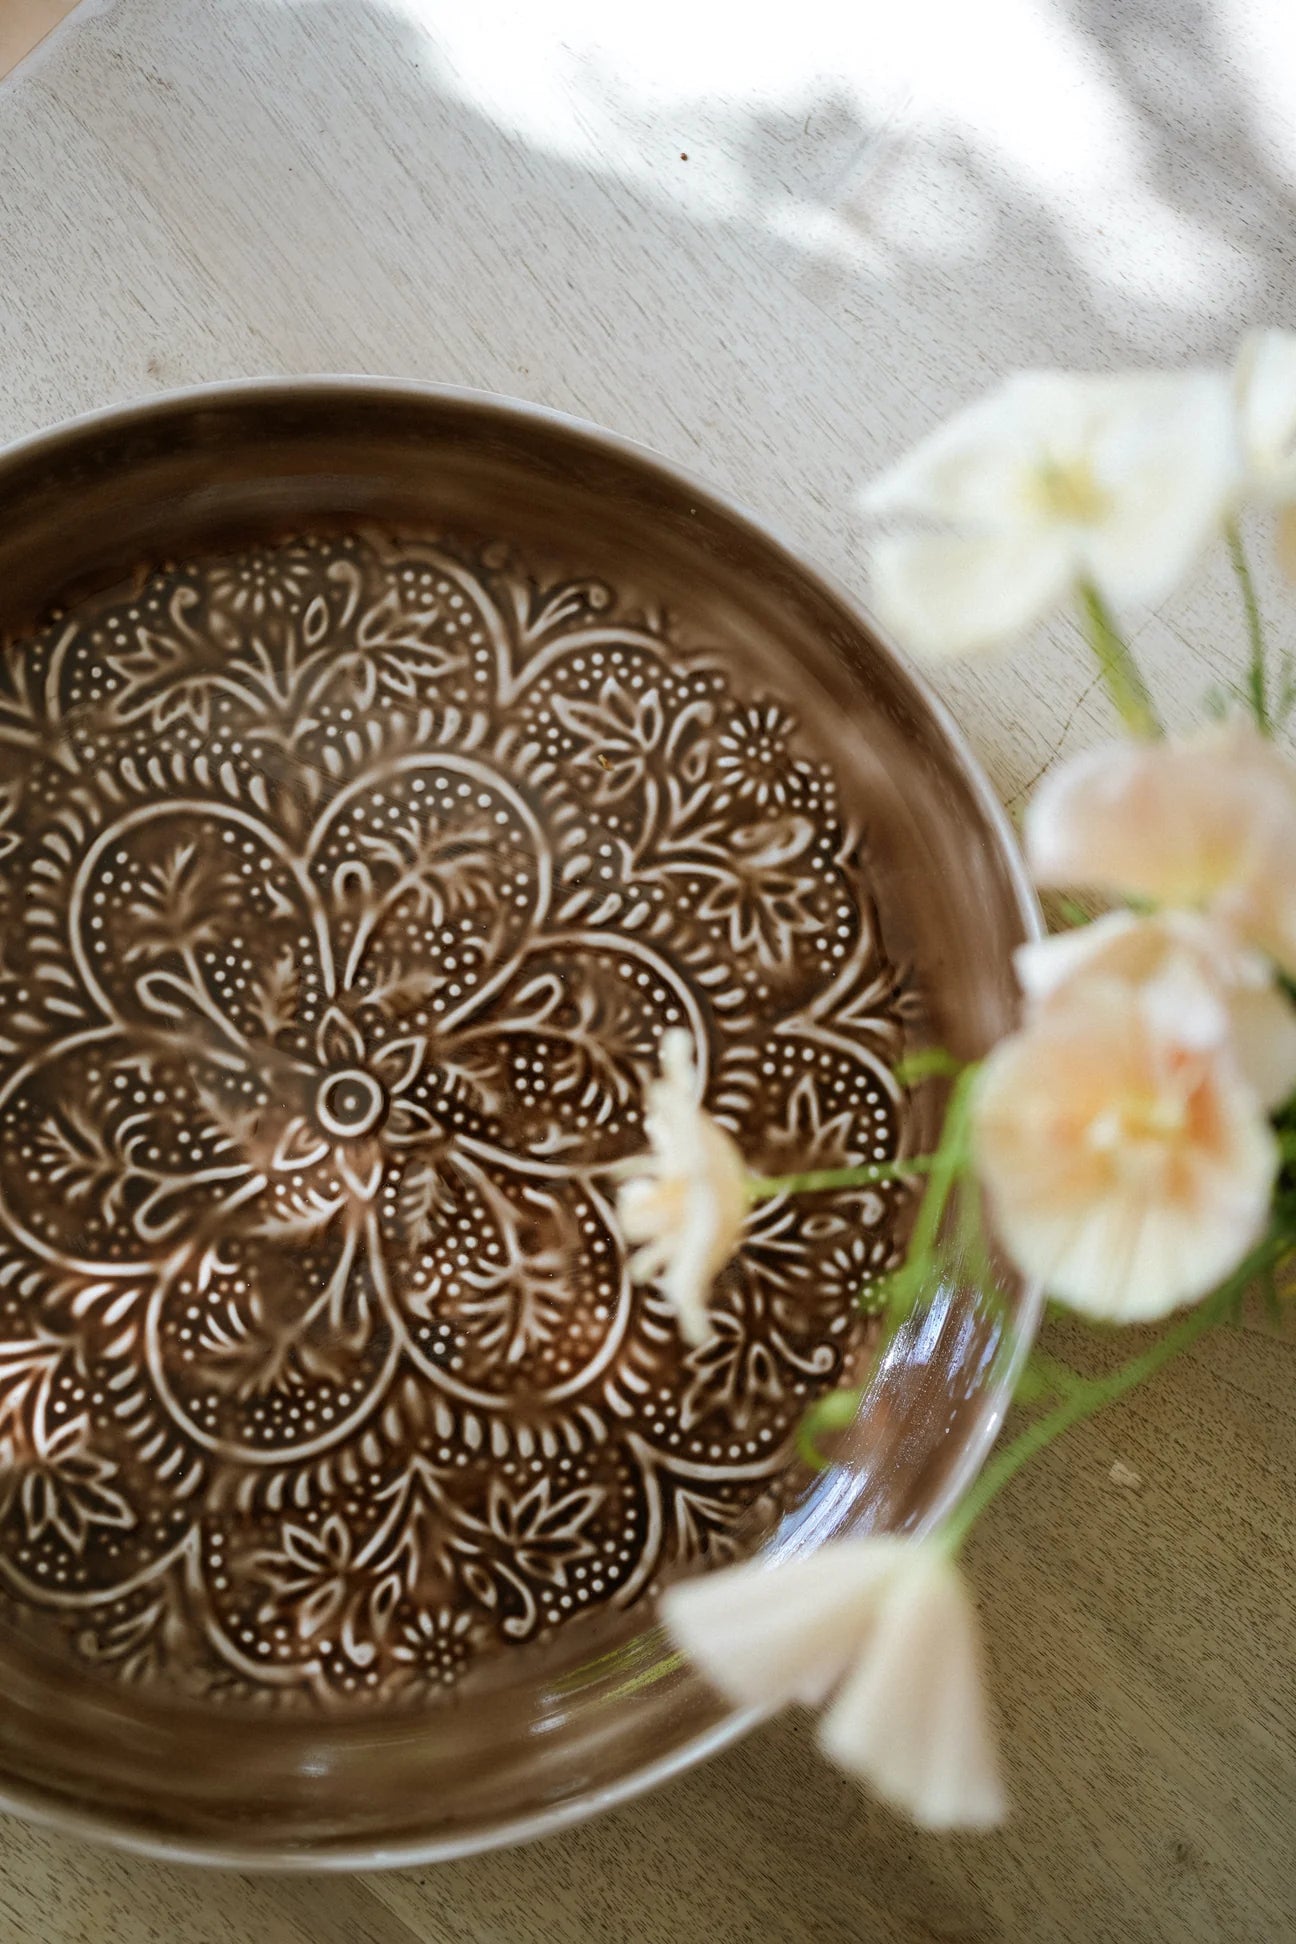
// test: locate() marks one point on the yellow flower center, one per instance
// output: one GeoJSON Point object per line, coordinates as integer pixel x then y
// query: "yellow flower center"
{"type": "Point", "coordinates": [1067, 490]}
{"type": "Point", "coordinates": [1140, 1120]}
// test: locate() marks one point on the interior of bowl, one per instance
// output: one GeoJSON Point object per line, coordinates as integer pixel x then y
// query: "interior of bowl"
{"type": "Point", "coordinates": [589, 533]}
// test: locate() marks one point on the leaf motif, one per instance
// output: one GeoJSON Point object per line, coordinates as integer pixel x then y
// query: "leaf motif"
{"type": "Point", "coordinates": [732, 1373]}
{"type": "Point", "coordinates": [701, 1524]}
{"type": "Point", "coordinates": [399, 991]}
{"type": "Point", "coordinates": [238, 1125]}
{"type": "Point", "coordinates": [82, 1161]}
{"type": "Point", "coordinates": [156, 658]}
{"type": "Point", "coordinates": [568, 604]}
{"type": "Point", "coordinates": [390, 629]}
{"type": "Point", "coordinates": [383, 1601]}
{"type": "Point", "coordinates": [761, 899]}
{"type": "Point", "coordinates": [273, 1000]}
{"type": "Point", "coordinates": [67, 1488]}
{"type": "Point", "coordinates": [544, 1534]}
{"type": "Point", "coordinates": [175, 909]}
{"type": "Point", "coordinates": [423, 1198]}
{"type": "Point", "coordinates": [300, 1224]}
{"type": "Point", "coordinates": [439, 872]}
{"type": "Point", "coordinates": [479, 1583]}
{"type": "Point", "coordinates": [25, 1363]}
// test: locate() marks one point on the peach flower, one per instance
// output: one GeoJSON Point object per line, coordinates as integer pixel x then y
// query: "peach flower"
{"type": "Point", "coordinates": [686, 1200]}
{"type": "Point", "coordinates": [1208, 823]}
{"type": "Point", "coordinates": [1209, 988]}
{"type": "Point", "coordinates": [883, 1629]}
{"type": "Point", "coordinates": [1128, 1165]}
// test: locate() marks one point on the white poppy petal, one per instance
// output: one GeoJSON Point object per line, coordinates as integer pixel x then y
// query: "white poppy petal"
{"type": "Point", "coordinates": [1265, 388]}
{"type": "Point", "coordinates": [912, 1719]}
{"type": "Point", "coordinates": [1054, 479]}
{"type": "Point", "coordinates": [973, 470]}
{"type": "Point", "coordinates": [1162, 455]}
{"type": "Point", "coordinates": [943, 595]}
{"type": "Point", "coordinates": [767, 1634]}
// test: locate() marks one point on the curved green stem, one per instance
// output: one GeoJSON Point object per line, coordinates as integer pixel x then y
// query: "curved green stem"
{"type": "Point", "coordinates": [1117, 666]}
{"type": "Point", "coordinates": [1085, 1396]}
{"type": "Point", "coordinates": [1257, 671]}
{"type": "Point", "coordinates": [819, 1181]}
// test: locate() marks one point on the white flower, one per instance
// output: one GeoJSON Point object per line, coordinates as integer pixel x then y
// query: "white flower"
{"type": "Point", "coordinates": [1053, 480]}
{"type": "Point", "coordinates": [1127, 1168]}
{"type": "Point", "coordinates": [883, 1626]}
{"type": "Point", "coordinates": [1209, 824]}
{"type": "Point", "coordinates": [1206, 986]}
{"type": "Point", "coordinates": [686, 1201]}
{"type": "Point", "coordinates": [1265, 391]}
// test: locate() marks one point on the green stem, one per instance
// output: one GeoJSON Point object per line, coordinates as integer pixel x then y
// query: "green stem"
{"type": "Point", "coordinates": [817, 1182]}
{"type": "Point", "coordinates": [1119, 670]}
{"type": "Point", "coordinates": [1257, 673]}
{"type": "Point", "coordinates": [945, 1167]}
{"type": "Point", "coordinates": [1088, 1395]}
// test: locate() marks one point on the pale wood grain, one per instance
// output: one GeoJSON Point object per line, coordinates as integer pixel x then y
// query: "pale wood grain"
{"type": "Point", "coordinates": [195, 189]}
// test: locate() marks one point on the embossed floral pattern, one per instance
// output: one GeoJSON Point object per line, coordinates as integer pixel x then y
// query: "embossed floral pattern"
{"type": "Point", "coordinates": [351, 885]}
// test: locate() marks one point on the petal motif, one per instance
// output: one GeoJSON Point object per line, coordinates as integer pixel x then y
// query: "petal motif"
{"type": "Point", "coordinates": [177, 912]}
{"type": "Point", "coordinates": [132, 1148]}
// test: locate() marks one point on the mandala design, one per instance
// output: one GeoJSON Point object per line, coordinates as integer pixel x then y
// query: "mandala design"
{"type": "Point", "coordinates": [348, 886]}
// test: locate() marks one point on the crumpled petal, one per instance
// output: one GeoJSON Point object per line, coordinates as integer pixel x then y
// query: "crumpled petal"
{"type": "Point", "coordinates": [913, 1719]}
{"type": "Point", "coordinates": [686, 1200]}
{"type": "Point", "coordinates": [885, 1626]}
{"type": "Point", "coordinates": [948, 594]}
{"type": "Point", "coordinates": [769, 1634]}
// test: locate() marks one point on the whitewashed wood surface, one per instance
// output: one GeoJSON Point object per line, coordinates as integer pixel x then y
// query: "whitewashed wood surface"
{"type": "Point", "coordinates": [881, 209]}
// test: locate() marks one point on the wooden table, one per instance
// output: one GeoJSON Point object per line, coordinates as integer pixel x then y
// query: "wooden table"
{"type": "Point", "coordinates": [777, 248]}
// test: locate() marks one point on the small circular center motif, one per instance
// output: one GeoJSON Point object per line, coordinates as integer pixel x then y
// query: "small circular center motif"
{"type": "Point", "coordinates": [350, 1103]}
